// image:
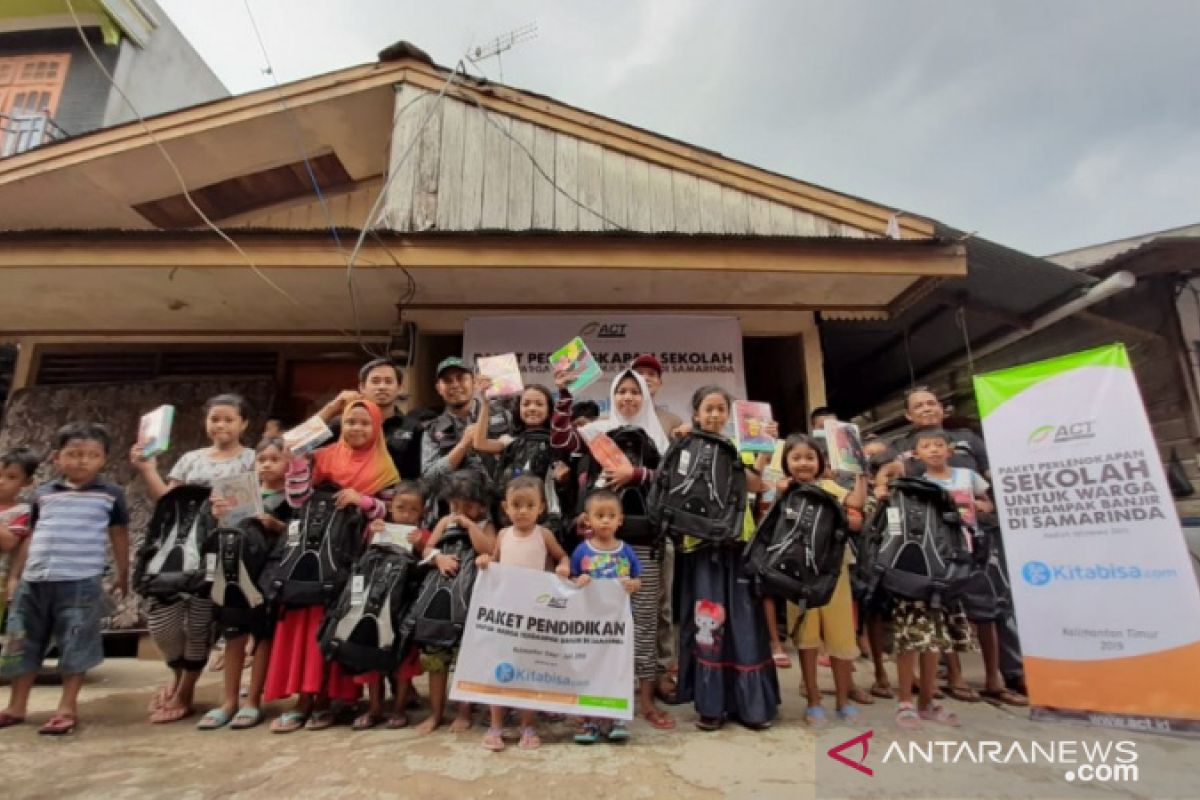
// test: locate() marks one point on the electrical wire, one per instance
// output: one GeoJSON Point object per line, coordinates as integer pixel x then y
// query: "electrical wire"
{"type": "Point", "coordinates": [187, 195]}
{"type": "Point", "coordinates": [961, 317]}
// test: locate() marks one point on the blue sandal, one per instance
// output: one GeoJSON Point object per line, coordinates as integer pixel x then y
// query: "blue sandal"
{"type": "Point", "coordinates": [217, 718]}
{"type": "Point", "coordinates": [815, 717]}
{"type": "Point", "coordinates": [848, 713]}
{"type": "Point", "coordinates": [246, 718]}
{"type": "Point", "coordinates": [589, 735]}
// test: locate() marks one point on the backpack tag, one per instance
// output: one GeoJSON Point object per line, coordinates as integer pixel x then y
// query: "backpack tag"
{"type": "Point", "coordinates": [210, 567]}
{"type": "Point", "coordinates": [685, 462]}
{"type": "Point", "coordinates": [293, 539]}
{"type": "Point", "coordinates": [893, 521]}
{"type": "Point", "coordinates": [791, 512]}
{"type": "Point", "coordinates": [358, 590]}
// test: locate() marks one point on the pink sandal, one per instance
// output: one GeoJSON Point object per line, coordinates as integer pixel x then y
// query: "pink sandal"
{"type": "Point", "coordinates": [494, 740]}
{"type": "Point", "coordinates": [938, 713]}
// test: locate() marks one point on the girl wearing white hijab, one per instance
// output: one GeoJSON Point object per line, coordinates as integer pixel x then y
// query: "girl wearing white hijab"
{"type": "Point", "coordinates": [629, 406]}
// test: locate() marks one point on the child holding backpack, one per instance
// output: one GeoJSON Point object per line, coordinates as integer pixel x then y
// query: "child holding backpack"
{"type": "Point", "coordinates": [831, 624]}
{"type": "Point", "coordinates": [633, 425]}
{"type": "Point", "coordinates": [466, 493]}
{"type": "Point", "coordinates": [725, 664]}
{"type": "Point", "coordinates": [181, 624]}
{"type": "Point", "coordinates": [526, 544]}
{"type": "Point", "coordinates": [359, 463]}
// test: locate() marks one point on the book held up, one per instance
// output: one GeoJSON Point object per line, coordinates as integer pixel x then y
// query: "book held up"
{"type": "Point", "coordinates": [154, 431]}
{"type": "Point", "coordinates": [752, 420]}
{"type": "Point", "coordinates": [575, 357]}
{"type": "Point", "coordinates": [504, 373]}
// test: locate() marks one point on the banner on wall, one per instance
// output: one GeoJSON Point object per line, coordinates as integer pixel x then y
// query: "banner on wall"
{"type": "Point", "coordinates": [535, 641]}
{"type": "Point", "coordinates": [1107, 603]}
{"type": "Point", "coordinates": [694, 351]}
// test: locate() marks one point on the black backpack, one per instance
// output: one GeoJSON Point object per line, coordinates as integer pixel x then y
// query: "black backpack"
{"type": "Point", "coordinates": [239, 555]}
{"type": "Point", "coordinates": [171, 559]}
{"type": "Point", "coordinates": [529, 453]}
{"type": "Point", "coordinates": [361, 633]}
{"type": "Point", "coordinates": [987, 594]}
{"type": "Point", "coordinates": [799, 548]}
{"type": "Point", "coordinates": [319, 550]}
{"type": "Point", "coordinates": [437, 617]}
{"type": "Point", "coordinates": [700, 490]}
{"type": "Point", "coordinates": [914, 547]}
{"type": "Point", "coordinates": [639, 448]}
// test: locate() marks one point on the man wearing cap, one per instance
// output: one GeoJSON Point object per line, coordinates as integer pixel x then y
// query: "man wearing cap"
{"type": "Point", "coordinates": [650, 368]}
{"type": "Point", "coordinates": [379, 381]}
{"type": "Point", "coordinates": [448, 445]}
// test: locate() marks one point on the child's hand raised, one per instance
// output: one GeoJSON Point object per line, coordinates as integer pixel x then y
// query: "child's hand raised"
{"type": "Point", "coordinates": [347, 497]}
{"type": "Point", "coordinates": [482, 384]}
{"type": "Point", "coordinates": [564, 378]}
{"type": "Point", "coordinates": [139, 460]}
{"type": "Point", "coordinates": [771, 429]}
{"type": "Point", "coordinates": [447, 565]}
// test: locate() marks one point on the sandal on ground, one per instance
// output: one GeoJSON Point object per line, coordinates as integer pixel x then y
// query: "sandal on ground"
{"type": "Point", "coordinates": [755, 726]}
{"type": "Point", "coordinates": [7, 720]}
{"type": "Point", "coordinates": [59, 725]}
{"type": "Point", "coordinates": [938, 713]}
{"type": "Point", "coordinates": [618, 732]}
{"type": "Point", "coordinates": [289, 722]}
{"type": "Point", "coordinates": [861, 697]}
{"type": "Point", "coordinates": [397, 721]}
{"type": "Point", "coordinates": [589, 734]}
{"type": "Point", "coordinates": [882, 691]}
{"type": "Point", "coordinates": [319, 721]}
{"type": "Point", "coordinates": [1005, 697]}
{"type": "Point", "coordinates": [815, 716]}
{"type": "Point", "coordinates": [659, 720]}
{"type": "Point", "coordinates": [493, 740]}
{"type": "Point", "coordinates": [364, 722]}
{"type": "Point", "coordinates": [908, 718]}
{"type": "Point", "coordinates": [781, 659]}
{"type": "Point", "coordinates": [963, 694]}
{"type": "Point", "coordinates": [159, 699]}
{"type": "Point", "coordinates": [529, 739]}
{"type": "Point", "coordinates": [848, 713]}
{"type": "Point", "coordinates": [709, 723]}
{"type": "Point", "coordinates": [214, 719]}
{"type": "Point", "coordinates": [168, 714]}
{"type": "Point", "coordinates": [247, 717]}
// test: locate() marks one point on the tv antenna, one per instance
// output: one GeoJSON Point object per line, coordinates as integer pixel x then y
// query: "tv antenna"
{"type": "Point", "coordinates": [502, 44]}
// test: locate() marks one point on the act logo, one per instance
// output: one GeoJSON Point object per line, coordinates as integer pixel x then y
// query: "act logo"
{"type": "Point", "coordinates": [1061, 434]}
{"type": "Point", "coordinates": [1037, 573]}
{"type": "Point", "coordinates": [603, 330]}
{"type": "Point", "coordinates": [1040, 434]}
{"type": "Point", "coordinates": [863, 739]}
{"type": "Point", "coordinates": [550, 601]}
{"type": "Point", "coordinates": [505, 672]}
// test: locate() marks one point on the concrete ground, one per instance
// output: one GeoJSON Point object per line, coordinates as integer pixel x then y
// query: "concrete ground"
{"type": "Point", "coordinates": [116, 753]}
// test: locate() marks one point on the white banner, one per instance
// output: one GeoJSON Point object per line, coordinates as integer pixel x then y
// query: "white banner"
{"type": "Point", "coordinates": [536, 641]}
{"type": "Point", "coordinates": [1107, 604]}
{"type": "Point", "coordinates": [694, 351]}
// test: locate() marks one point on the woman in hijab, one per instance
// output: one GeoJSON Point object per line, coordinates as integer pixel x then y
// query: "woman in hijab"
{"type": "Point", "coordinates": [359, 463]}
{"type": "Point", "coordinates": [630, 406]}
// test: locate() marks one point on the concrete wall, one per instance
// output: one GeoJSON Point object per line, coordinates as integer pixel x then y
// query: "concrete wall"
{"type": "Point", "coordinates": [165, 75]}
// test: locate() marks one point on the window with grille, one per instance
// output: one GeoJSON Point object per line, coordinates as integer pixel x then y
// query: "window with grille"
{"type": "Point", "coordinates": [32, 84]}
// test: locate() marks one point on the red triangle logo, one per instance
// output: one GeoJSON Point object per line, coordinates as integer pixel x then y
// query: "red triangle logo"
{"type": "Point", "coordinates": [864, 739]}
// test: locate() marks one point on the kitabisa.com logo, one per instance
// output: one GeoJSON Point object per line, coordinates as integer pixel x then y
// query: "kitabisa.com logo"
{"type": "Point", "coordinates": [1081, 761]}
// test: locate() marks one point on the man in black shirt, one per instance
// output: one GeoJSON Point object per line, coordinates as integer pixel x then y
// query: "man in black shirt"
{"type": "Point", "coordinates": [379, 381]}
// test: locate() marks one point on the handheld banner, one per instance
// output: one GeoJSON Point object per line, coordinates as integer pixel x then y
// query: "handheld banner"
{"type": "Point", "coordinates": [538, 642]}
{"type": "Point", "coordinates": [1107, 604]}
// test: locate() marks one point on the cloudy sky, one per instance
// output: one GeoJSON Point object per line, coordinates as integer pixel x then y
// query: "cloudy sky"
{"type": "Point", "coordinates": [1042, 125]}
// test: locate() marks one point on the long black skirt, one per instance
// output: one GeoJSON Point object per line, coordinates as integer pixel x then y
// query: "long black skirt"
{"type": "Point", "coordinates": [725, 664]}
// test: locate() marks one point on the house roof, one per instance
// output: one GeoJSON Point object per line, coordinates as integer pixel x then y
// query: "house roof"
{"type": "Point", "coordinates": [97, 180]}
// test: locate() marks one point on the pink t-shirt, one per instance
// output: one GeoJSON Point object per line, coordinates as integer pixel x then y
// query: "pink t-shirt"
{"type": "Point", "coordinates": [527, 551]}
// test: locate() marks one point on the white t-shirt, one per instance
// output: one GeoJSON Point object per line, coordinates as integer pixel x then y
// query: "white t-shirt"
{"type": "Point", "coordinates": [964, 485]}
{"type": "Point", "coordinates": [199, 468]}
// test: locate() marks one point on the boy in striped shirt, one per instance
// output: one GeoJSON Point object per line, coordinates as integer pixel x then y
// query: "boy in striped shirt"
{"type": "Point", "coordinates": [72, 519]}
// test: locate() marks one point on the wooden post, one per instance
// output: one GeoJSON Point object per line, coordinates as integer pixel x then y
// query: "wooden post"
{"type": "Point", "coordinates": [814, 364]}
{"type": "Point", "coordinates": [23, 369]}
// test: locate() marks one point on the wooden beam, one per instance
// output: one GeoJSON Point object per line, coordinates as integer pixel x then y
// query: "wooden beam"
{"type": "Point", "coordinates": [853, 256]}
{"type": "Point", "coordinates": [982, 308]}
{"type": "Point", "coordinates": [814, 368]}
{"type": "Point", "coordinates": [23, 369]}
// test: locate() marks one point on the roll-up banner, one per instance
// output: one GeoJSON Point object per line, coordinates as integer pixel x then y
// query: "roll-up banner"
{"type": "Point", "coordinates": [1106, 599]}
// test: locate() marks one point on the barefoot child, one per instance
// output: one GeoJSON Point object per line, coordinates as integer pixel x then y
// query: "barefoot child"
{"type": "Point", "coordinates": [406, 508]}
{"type": "Point", "coordinates": [17, 468]}
{"type": "Point", "coordinates": [466, 494]}
{"type": "Point", "coordinates": [525, 544]}
{"type": "Point", "coordinates": [252, 639]}
{"type": "Point", "coordinates": [60, 595]}
{"type": "Point", "coordinates": [182, 625]}
{"type": "Point", "coordinates": [604, 557]}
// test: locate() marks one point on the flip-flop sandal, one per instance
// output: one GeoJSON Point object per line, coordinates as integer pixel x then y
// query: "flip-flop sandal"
{"type": "Point", "coordinates": [781, 659]}
{"type": "Point", "coordinates": [861, 697]}
{"type": "Point", "coordinates": [364, 722]}
{"type": "Point", "coordinates": [169, 714]}
{"type": "Point", "coordinates": [214, 719]}
{"type": "Point", "coordinates": [938, 713]}
{"type": "Point", "coordinates": [659, 720]}
{"type": "Point", "coordinates": [848, 713]}
{"type": "Point", "coordinates": [289, 722]}
{"type": "Point", "coordinates": [158, 700]}
{"type": "Point", "coordinates": [319, 721]}
{"type": "Point", "coordinates": [709, 724]}
{"type": "Point", "coordinates": [246, 718]}
{"type": "Point", "coordinates": [396, 721]}
{"type": "Point", "coordinates": [882, 692]}
{"type": "Point", "coordinates": [815, 717]}
{"type": "Point", "coordinates": [908, 718]}
{"type": "Point", "coordinates": [493, 740]}
{"type": "Point", "coordinates": [7, 720]}
{"type": "Point", "coordinates": [58, 725]}
{"type": "Point", "coordinates": [1005, 697]}
{"type": "Point", "coordinates": [618, 732]}
{"type": "Point", "coordinates": [529, 740]}
{"type": "Point", "coordinates": [963, 694]}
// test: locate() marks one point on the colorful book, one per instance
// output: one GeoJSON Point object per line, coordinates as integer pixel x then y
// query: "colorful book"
{"type": "Point", "coordinates": [244, 495]}
{"type": "Point", "coordinates": [504, 373]}
{"type": "Point", "coordinates": [844, 443]}
{"type": "Point", "coordinates": [575, 357]}
{"type": "Point", "coordinates": [154, 431]}
{"type": "Point", "coordinates": [307, 436]}
{"type": "Point", "coordinates": [394, 535]}
{"type": "Point", "coordinates": [752, 420]}
{"type": "Point", "coordinates": [606, 452]}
